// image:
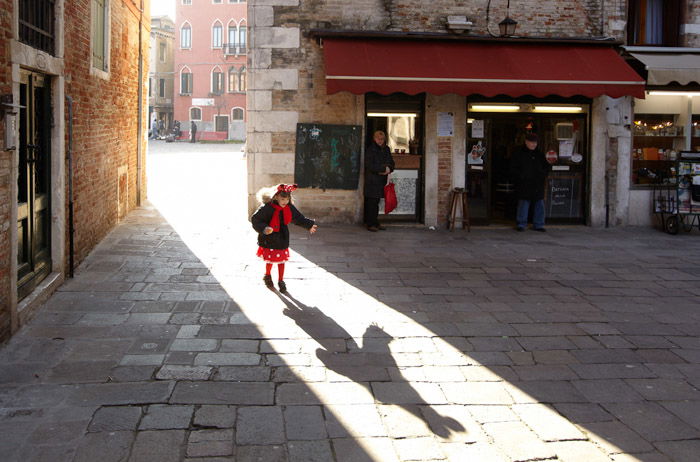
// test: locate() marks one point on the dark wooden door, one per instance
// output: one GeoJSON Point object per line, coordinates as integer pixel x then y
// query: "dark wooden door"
{"type": "Point", "coordinates": [34, 183]}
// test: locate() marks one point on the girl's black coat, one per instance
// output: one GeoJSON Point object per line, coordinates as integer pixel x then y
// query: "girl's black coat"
{"type": "Point", "coordinates": [377, 159]}
{"type": "Point", "coordinates": [277, 240]}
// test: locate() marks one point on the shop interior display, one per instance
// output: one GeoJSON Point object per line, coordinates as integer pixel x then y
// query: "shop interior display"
{"type": "Point", "coordinates": [677, 200]}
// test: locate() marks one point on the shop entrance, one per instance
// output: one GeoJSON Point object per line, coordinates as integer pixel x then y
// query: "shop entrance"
{"type": "Point", "coordinates": [492, 139]}
{"type": "Point", "coordinates": [33, 183]}
{"type": "Point", "coordinates": [400, 116]}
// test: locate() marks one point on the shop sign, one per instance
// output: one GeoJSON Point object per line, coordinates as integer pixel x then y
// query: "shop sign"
{"type": "Point", "coordinates": [202, 101]}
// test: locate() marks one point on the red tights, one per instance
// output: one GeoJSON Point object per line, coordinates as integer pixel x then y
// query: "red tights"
{"type": "Point", "coordinates": [280, 270]}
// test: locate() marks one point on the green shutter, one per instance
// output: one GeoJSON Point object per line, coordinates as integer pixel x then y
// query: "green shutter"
{"type": "Point", "coordinates": [98, 34]}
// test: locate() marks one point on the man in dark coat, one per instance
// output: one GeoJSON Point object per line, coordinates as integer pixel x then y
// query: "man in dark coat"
{"type": "Point", "coordinates": [193, 131]}
{"type": "Point", "coordinates": [529, 169]}
{"type": "Point", "coordinates": [378, 164]}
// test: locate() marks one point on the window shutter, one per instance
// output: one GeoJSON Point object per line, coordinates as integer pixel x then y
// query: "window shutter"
{"type": "Point", "coordinates": [98, 37]}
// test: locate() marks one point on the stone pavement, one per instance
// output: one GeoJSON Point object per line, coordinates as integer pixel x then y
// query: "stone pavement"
{"type": "Point", "coordinates": [404, 345]}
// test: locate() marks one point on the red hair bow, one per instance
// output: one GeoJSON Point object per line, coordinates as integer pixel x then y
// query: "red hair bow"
{"type": "Point", "coordinates": [286, 187]}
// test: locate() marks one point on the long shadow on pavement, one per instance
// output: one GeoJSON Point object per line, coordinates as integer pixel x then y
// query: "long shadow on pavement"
{"type": "Point", "coordinates": [369, 364]}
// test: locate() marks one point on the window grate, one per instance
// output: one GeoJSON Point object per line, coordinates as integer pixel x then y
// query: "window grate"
{"type": "Point", "coordinates": [36, 24]}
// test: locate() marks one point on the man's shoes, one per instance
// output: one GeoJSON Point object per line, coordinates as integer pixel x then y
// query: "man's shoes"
{"type": "Point", "coordinates": [520, 229]}
{"type": "Point", "coordinates": [374, 229]}
{"type": "Point", "coordinates": [381, 228]}
{"type": "Point", "coordinates": [282, 286]}
{"type": "Point", "coordinates": [542, 230]}
{"type": "Point", "coordinates": [267, 279]}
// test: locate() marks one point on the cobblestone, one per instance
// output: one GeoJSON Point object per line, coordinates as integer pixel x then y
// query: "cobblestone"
{"type": "Point", "coordinates": [409, 344]}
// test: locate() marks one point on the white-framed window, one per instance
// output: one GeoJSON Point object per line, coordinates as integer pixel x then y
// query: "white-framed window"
{"type": "Point", "coordinates": [186, 2]}
{"type": "Point", "coordinates": [237, 113]}
{"type": "Point", "coordinates": [195, 113]}
{"type": "Point", "coordinates": [232, 34]}
{"type": "Point", "coordinates": [242, 37]}
{"type": "Point", "coordinates": [217, 35]}
{"type": "Point", "coordinates": [99, 40]}
{"type": "Point", "coordinates": [216, 1]}
{"type": "Point", "coordinates": [242, 79]}
{"type": "Point", "coordinates": [186, 82]}
{"type": "Point", "coordinates": [217, 81]}
{"type": "Point", "coordinates": [232, 79]}
{"type": "Point", "coordinates": [186, 36]}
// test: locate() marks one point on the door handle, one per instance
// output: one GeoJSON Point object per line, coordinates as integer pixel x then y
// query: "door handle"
{"type": "Point", "coordinates": [31, 152]}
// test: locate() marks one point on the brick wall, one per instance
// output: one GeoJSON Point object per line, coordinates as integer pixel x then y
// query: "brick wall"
{"type": "Point", "coordinates": [104, 120]}
{"type": "Point", "coordinates": [5, 172]}
{"type": "Point", "coordinates": [444, 152]}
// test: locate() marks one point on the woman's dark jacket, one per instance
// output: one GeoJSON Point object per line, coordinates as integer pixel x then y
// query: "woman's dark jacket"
{"type": "Point", "coordinates": [528, 170]}
{"type": "Point", "coordinates": [377, 158]}
{"type": "Point", "coordinates": [276, 240]}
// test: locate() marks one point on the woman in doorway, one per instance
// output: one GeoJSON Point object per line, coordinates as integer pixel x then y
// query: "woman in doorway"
{"type": "Point", "coordinates": [378, 165]}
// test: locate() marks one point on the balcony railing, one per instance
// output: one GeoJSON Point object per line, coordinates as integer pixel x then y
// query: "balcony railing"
{"type": "Point", "coordinates": [234, 49]}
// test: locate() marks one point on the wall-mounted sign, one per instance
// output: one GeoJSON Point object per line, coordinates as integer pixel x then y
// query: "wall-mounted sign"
{"type": "Point", "coordinates": [445, 123]}
{"type": "Point", "coordinates": [202, 101]}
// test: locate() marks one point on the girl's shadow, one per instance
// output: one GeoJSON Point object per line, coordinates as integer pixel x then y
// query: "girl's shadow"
{"type": "Point", "coordinates": [363, 365]}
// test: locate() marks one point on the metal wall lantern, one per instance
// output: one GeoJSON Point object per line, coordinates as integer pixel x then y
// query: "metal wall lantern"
{"type": "Point", "coordinates": [508, 25]}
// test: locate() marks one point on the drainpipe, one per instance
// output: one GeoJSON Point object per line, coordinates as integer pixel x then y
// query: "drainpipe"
{"type": "Point", "coordinates": [139, 129]}
{"type": "Point", "coordinates": [71, 228]}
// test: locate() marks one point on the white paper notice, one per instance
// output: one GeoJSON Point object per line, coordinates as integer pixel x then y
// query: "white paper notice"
{"type": "Point", "coordinates": [566, 148]}
{"type": "Point", "coordinates": [477, 128]}
{"type": "Point", "coordinates": [445, 124]}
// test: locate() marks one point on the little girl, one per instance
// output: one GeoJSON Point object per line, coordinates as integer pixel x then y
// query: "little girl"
{"type": "Point", "coordinates": [270, 221]}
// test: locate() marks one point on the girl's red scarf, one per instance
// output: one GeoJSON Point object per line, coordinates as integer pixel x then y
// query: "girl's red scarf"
{"type": "Point", "coordinates": [287, 216]}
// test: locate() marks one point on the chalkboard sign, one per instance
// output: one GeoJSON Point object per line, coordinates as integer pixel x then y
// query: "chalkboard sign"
{"type": "Point", "coordinates": [564, 196]}
{"type": "Point", "coordinates": [327, 156]}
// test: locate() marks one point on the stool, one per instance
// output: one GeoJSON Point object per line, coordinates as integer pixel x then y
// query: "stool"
{"type": "Point", "coordinates": [459, 200]}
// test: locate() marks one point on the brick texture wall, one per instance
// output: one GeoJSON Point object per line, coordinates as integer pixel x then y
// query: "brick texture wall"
{"type": "Point", "coordinates": [444, 177]}
{"type": "Point", "coordinates": [104, 119]}
{"type": "Point", "coordinates": [5, 172]}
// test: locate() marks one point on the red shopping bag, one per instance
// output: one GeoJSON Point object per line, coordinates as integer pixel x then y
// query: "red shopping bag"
{"type": "Point", "coordinates": [390, 201]}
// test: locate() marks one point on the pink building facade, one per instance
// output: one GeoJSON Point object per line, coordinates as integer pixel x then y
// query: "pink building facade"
{"type": "Point", "coordinates": [211, 41]}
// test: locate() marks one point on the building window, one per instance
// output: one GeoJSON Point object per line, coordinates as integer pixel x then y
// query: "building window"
{"type": "Point", "coordinates": [231, 43]}
{"type": "Point", "coordinates": [216, 1]}
{"type": "Point", "coordinates": [195, 113]}
{"type": "Point", "coordinates": [186, 36]}
{"type": "Point", "coordinates": [242, 38]}
{"type": "Point", "coordinates": [161, 88]}
{"type": "Point", "coordinates": [237, 113]}
{"type": "Point", "coordinates": [654, 22]}
{"type": "Point", "coordinates": [36, 24]}
{"type": "Point", "coordinates": [100, 34]}
{"type": "Point", "coordinates": [162, 51]}
{"type": "Point", "coordinates": [217, 35]}
{"type": "Point", "coordinates": [186, 2]}
{"type": "Point", "coordinates": [232, 80]}
{"type": "Point", "coordinates": [150, 87]}
{"type": "Point", "coordinates": [241, 79]}
{"type": "Point", "coordinates": [186, 83]}
{"type": "Point", "coordinates": [217, 82]}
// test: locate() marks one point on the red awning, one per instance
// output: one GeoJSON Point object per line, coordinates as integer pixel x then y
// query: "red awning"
{"type": "Point", "coordinates": [361, 65]}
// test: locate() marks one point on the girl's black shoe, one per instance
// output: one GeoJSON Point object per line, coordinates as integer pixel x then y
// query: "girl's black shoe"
{"type": "Point", "coordinates": [283, 286]}
{"type": "Point", "coordinates": [268, 281]}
